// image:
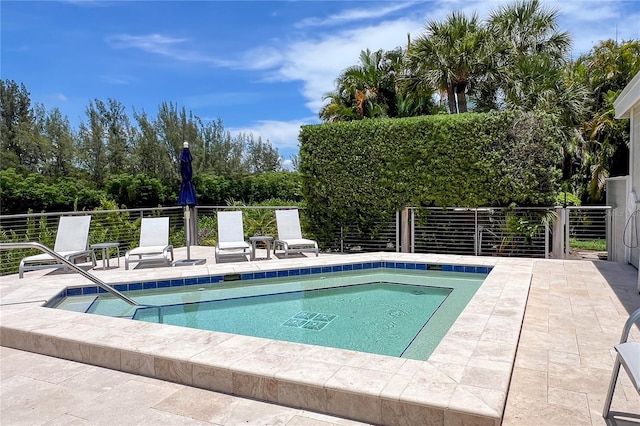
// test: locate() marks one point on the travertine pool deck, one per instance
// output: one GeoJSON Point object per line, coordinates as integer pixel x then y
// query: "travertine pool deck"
{"type": "Point", "coordinates": [574, 315]}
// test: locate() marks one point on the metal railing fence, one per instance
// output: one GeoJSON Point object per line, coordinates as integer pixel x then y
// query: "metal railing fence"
{"type": "Point", "coordinates": [524, 232]}
{"type": "Point", "coordinates": [122, 226]}
{"type": "Point", "coordinates": [588, 226]}
{"type": "Point", "coordinates": [380, 236]}
{"type": "Point", "coordinates": [520, 232]}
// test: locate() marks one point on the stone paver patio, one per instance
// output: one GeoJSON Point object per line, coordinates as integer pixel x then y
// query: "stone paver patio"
{"type": "Point", "coordinates": [574, 315]}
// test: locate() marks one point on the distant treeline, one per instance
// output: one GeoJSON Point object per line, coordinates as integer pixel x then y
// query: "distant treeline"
{"type": "Point", "coordinates": [34, 192]}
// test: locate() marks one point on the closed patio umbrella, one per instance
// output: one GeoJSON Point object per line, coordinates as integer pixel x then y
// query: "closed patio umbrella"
{"type": "Point", "coordinates": [187, 198]}
{"type": "Point", "coordinates": [187, 194]}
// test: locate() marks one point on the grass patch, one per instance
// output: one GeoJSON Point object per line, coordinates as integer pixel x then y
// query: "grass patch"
{"type": "Point", "coordinates": [596, 245]}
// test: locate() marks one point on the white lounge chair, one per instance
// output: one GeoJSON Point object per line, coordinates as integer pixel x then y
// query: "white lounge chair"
{"type": "Point", "coordinates": [231, 235]}
{"type": "Point", "coordinates": [290, 234]}
{"type": "Point", "coordinates": [154, 244]}
{"type": "Point", "coordinates": [628, 357]}
{"type": "Point", "coordinates": [72, 242]}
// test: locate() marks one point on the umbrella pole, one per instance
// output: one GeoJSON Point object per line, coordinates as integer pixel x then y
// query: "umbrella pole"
{"type": "Point", "coordinates": [188, 260]}
{"type": "Point", "coordinates": [187, 225]}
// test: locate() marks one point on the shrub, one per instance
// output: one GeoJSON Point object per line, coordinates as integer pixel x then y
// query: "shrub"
{"type": "Point", "coordinates": [363, 171]}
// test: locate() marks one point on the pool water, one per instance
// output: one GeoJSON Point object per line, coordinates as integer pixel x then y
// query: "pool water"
{"type": "Point", "coordinates": [402, 314]}
{"type": "Point", "coordinates": [381, 318]}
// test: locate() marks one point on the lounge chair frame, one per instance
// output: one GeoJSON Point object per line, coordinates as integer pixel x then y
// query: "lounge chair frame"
{"type": "Point", "coordinates": [290, 234]}
{"type": "Point", "coordinates": [154, 244]}
{"type": "Point", "coordinates": [72, 243]}
{"type": "Point", "coordinates": [231, 236]}
{"type": "Point", "coordinates": [628, 356]}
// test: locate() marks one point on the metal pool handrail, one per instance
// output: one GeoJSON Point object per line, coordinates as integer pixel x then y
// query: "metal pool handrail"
{"type": "Point", "coordinates": [99, 282]}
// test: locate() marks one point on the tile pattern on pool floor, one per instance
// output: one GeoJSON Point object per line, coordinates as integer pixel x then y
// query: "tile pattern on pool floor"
{"type": "Point", "coordinates": [309, 320]}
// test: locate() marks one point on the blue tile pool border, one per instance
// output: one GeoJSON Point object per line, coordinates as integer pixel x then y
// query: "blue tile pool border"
{"type": "Point", "coordinates": [246, 276]}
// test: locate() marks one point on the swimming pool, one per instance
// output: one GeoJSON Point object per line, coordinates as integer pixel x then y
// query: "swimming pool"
{"type": "Point", "coordinates": [465, 380]}
{"type": "Point", "coordinates": [396, 312]}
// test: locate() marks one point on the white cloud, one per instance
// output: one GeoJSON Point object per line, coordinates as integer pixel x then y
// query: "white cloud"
{"type": "Point", "coordinates": [282, 135]}
{"type": "Point", "coordinates": [116, 80]}
{"type": "Point", "coordinates": [61, 97]}
{"type": "Point", "coordinates": [159, 44]}
{"type": "Point", "coordinates": [260, 58]}
{"type": "Point", "coordinates": [317, 62]}
{"type": "Point", "coordinates": [287, 165]}
{"type": "Point", "coordinates": [590, 22]}
{"type": "Point", "coordinates": [354, 15]}
{"type": "Point", "coordinates": [155, 43]}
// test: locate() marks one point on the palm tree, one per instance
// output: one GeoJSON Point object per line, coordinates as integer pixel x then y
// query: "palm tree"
{"type": "Point", "coordinates": [339, 108]}
{"type": "Point", "coordinates": [608, 66]}
{"type": "Point", "coordinates": [448, 56]}
{"type": "Point", "coordinates": [605, 70]}
{"type": "Point", "coordinates": [526, 42]}
{"type": "Point", "coordinates": [367, 89]}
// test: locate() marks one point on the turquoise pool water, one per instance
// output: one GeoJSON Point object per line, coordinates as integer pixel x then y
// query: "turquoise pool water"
{"type": "Point", "coordinates": [381, 318]}
{"type": "Point", "coordinates": [388, 312]}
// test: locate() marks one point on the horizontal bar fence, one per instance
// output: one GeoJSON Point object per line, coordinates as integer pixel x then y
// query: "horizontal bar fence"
{"type": "Point", "coordinates": [588, 228]}
{"type": "Point", "coordinates": [121, 226]}
{"type": "Point", "coordinates": [519, 232]}
{"type": "Point", "coordinates": [383, 236]}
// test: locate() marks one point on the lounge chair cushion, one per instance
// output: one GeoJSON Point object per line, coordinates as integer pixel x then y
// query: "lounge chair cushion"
{"type": "Point", "coordinates": [148, 250]}
{"type": "Point", "coordinates": [299, 242]}
{"type": "Point", "coordinates": [234, 245]}
{"type": "Point", "coordinates": [47, 258]}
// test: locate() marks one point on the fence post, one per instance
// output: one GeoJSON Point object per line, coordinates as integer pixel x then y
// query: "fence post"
{"type": "Point", "coordinates": [194, 226]}
{"type": "Point", "coordinates": [558, 248]}
{"type": "Point", "coordinates": [405, 230]}
{"type": "Point", "coordinates": [476, 232]}
{"type": "Point", "coordinates": [413, 230]}
{"type": "Point", "coordinates": [567, 232]}
{"type": "Point", "coordinates": [546, 239]}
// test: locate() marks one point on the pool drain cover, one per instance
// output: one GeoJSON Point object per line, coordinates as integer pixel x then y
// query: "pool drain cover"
{"type": "Point", "coordinates": [309, 320]}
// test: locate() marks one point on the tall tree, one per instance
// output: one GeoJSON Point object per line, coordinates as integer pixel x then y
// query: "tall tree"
{"type": "Point", "coordinates": [603, 150]}
{"type": "Point", "coordinates": [21, 143]}
{"type": "Point", "coordinates": [368, 89]}
{"type": "Point", "coordinates": [175, 126]}
{"type": "Point", "coordinates": [221, 152]}
{"type": "Point", "coordinates": [150, 156]}
{"type": "Point", "coordinates": [261, 157]}
{"type": "Point", "coordinates": [449, 55]}
{"type": "Point", "coordinates": [118, 135]}
{"type": "Point", "coordinates": [61, 139]}
{"type": "Point", "coordinates": [93, 151]}
{"type": "Point", "coordinates": [526, 41]}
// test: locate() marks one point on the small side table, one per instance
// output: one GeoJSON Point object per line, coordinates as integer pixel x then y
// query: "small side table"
{"type": "Point", "coordinates": [254, 241]}
{"type": "Point", "coordinates": [105, 252]}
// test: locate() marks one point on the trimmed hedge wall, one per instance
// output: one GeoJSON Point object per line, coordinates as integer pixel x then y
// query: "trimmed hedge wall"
{"type": "Point", "coordinates": [360, 172]}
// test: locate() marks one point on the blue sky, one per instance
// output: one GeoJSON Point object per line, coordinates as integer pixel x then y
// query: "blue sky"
{"type": "Point", "coordinates": [260, 66]}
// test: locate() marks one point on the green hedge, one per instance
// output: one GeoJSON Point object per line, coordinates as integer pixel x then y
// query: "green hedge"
{"type": "Point", "coordinates": [20, 193]}
{"type": "Point", "coordinates": [219, 190]}
{"type": "Point", "coordinates": [361, 172]}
